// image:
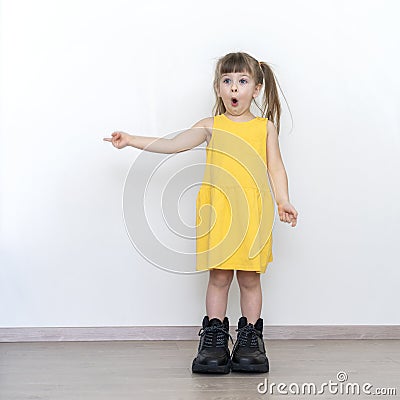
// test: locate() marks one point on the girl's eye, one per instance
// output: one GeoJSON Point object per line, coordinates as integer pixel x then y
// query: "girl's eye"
{"type": "Point", "coordinates": [243, 81]}
{"type": "Point", "coordinates": [226, 80]}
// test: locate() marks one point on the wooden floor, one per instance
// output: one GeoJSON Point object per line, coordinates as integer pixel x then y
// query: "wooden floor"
{"type": "Point", "coordinates": [162, 370]}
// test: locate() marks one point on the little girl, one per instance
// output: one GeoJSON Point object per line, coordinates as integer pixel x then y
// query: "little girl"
{"type": "Point", "coordinates": [234, 206]}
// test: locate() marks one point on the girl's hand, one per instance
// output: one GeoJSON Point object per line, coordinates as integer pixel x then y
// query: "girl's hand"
{"type": "Point", "coordinates": [287, 213]}
{"type": "Point", "coordinates": [119, 139]}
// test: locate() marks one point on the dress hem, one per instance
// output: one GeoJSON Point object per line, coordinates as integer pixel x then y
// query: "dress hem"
{"type": "Point", "coordinates": [235, 268]}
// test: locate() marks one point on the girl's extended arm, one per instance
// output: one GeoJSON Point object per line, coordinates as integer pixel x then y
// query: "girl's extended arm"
{"type": "Point", "coordinates": [186, 140]}
{"type": "Point", "coordinates": [278, 177]}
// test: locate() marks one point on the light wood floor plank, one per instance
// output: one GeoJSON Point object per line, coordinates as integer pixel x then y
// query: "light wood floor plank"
{"type": "Point", "coordinates": [150, 370]}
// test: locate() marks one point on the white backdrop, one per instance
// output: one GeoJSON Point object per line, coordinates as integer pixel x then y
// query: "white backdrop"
{"type": "Point", "coordinates": [72, 72]}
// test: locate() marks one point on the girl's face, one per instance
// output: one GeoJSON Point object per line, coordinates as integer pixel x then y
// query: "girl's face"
{"type": "Point", "coordinates": [237, 90]}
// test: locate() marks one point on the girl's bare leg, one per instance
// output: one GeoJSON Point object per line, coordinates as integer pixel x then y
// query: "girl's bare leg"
{"type": "Point", "coordinates": [217, 293]}
{"type": "Point", "coordinates": [250, 294]}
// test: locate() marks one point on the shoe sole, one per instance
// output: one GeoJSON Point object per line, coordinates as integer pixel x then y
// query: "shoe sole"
{"type": "Point", "coordinates": [242, 367]}
{"type": "Point", "coordinates": [210, 368]}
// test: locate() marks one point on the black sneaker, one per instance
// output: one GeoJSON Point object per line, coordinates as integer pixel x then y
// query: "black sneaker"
{"type": "Point", "coordinates": [248, 353]}
{"type": "Point", "coordinates": [213, 353]}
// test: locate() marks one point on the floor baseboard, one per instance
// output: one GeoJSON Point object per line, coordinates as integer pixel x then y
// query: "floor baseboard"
{"type": "Point", "coordinates": [116, 333]}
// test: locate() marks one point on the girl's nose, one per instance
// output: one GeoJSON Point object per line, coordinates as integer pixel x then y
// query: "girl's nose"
{"type": "Point", "coordinates": [234, 88]}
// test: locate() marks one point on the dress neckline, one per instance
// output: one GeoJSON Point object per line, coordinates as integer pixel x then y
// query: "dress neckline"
{"type": "Point", "coordinates": [240, 122]}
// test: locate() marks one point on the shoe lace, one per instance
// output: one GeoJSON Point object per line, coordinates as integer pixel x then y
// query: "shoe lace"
{"type": "Point", "coordinates": [210, 331]}
{"type": "Point", "coordinates": [246, 333]}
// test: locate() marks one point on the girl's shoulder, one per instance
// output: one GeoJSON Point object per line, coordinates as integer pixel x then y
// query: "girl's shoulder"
{"type": "Point", "coordinates": [272, 132]}
{"type": "Point", "coordinates": [206, 123]}
{"type": "Point", "coordinates": [271, 126]}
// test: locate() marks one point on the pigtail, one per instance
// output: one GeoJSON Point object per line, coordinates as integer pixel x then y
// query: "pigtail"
{"type": "Point", "coordinates": [271, 106]}
{"type": "Point", "coordinates": [219, 107]}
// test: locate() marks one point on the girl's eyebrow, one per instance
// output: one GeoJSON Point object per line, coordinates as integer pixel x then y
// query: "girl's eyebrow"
{"type": "Point", "coordinates": [248, 76]}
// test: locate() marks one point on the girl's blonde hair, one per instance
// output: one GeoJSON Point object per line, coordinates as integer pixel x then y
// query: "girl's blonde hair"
{"type": "Point", "coordinates": [261, 73]}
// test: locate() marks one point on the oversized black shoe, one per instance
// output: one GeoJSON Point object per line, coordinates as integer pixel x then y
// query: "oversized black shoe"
{"type": "Point", "coordinates": [248, 353]}
{"type": "Point", "coordinates": [213, 353]}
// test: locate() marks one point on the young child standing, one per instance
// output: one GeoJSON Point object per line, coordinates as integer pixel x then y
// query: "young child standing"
{"type": "Point", "coordinates": [234, 206]}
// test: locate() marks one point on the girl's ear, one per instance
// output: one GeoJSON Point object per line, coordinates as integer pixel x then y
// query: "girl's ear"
{"type": "Point", "coordinates": [257, 90]}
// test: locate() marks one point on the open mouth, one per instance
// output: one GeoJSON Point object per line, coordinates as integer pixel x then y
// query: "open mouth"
{"type": "Point", "coordinates": [234, 101]}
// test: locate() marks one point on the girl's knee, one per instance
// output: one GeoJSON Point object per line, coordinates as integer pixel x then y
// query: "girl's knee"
{"type": "Point", "coordinates": [220, 277]}
{"type": "Point", "coordinates": [248, 279]}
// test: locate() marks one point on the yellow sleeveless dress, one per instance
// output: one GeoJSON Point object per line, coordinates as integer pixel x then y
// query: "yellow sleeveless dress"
{"type": "Point", "coordinates": [234, 206]}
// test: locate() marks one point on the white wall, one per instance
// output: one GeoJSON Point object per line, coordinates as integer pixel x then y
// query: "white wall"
{"type": "Point", "coordinates": [72, 72]}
